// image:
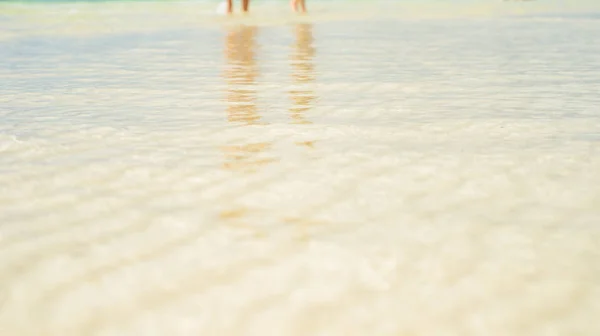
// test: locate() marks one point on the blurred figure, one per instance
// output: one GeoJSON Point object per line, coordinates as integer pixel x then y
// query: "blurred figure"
{"type": "Point", "coordinates": [298, 5]}
{"type": "Point", "coordinates": [245, 6]}
{"type": "Point", "coordinates": [303, 76]}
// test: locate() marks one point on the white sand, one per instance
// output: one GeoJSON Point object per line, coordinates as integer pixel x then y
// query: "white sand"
{"type": "Point", "coordinates": [366, 177]}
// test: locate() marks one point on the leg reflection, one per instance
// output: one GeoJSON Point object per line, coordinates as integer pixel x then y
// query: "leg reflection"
{"type": "Point", "coordinates": [303, 76]}
{"type": "Point", "coordinates": [240, 75]}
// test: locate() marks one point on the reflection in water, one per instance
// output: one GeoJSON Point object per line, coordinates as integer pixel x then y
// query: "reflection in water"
{"type": "Point", "coordinates": [240, 74]}
{"type": "Point", "coordinates": [247, 157]}
{"type": "Point", "coordinates": [303, 74]}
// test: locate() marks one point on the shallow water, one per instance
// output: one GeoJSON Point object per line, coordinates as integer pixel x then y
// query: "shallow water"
{"type": "Point", "coordinates": [334, 174]}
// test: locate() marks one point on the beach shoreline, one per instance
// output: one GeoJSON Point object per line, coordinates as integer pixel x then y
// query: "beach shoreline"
{"type": "Point", "coordinates": [341, 174]}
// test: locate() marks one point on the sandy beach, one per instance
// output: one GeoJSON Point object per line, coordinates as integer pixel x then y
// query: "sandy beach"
{"type": "Point", "coordinates": [408, 169]}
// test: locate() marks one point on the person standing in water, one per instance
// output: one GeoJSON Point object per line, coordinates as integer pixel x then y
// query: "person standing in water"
{"type": "Point", "coordinates": [298, 5]}
{"type": "Point", "coordinates": [245, 6]}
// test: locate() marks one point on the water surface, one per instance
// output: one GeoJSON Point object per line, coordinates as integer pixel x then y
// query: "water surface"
{"type": "Point", "coordinates": [167, 171]}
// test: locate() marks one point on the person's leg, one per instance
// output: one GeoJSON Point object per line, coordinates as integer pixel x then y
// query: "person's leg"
{"type": "Point", "coordinates": [303, 6]}
{"type": "Point", "coordinates": [229, 6]}
{"type": "Point", "coordinates": [245, 5]}
{"type": "Point", "coordinates": [298, 5]}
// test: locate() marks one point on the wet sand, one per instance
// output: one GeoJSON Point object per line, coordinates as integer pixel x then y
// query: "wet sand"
{"type": "Point", "coordinates": [314, 176]}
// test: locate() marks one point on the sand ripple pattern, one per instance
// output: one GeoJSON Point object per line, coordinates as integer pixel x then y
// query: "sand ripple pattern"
{"type": "Point", "coordinates": [331, 178]}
